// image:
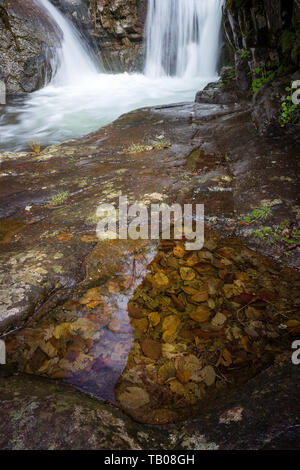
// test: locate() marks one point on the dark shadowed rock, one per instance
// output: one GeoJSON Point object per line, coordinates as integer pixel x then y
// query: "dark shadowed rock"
{"type": "Point", "coordinates": [28, 43]}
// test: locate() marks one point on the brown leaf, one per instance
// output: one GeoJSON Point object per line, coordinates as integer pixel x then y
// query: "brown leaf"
{"type": "Point", "coordinates": [151, 348]}
{"type": "Point", "coordinates": [201, 315]}
{"type": "Point", "coordinates": [225, 252]}
{"type": "Point", "coordinates": [225, 358]}
{"type": "Point", "coordinates": [178, 304]}
{"type": "Point", "coordinates": [201, 296]}
{"type": "Point", "coordinates": [135, 312]}
{"type": "Point", "coordinates": [187, 274]}
{"type": "Point", "coordinates": [140, 323]}
{"type": "Point", "coordinates": [268, 295]}
{"type": "Point", "coordinates": [166, 372]}
{"type": "Point", "coordinates": [183, 374]}
{"type": "Point", "coordinates": [245, 343]}
{"type": "Point", "coordinates": [91, 295]}
{"type": "Point", "coordinates": [177, 387]}
{"type": "Point", "coordinates": [134, 397]}
{"type": "Point", "coordinates": [192, 261]}
{"type": "Point", "coordinates": [243, 299]}
{"type": "Point", "coordinates": [178, 251]}
{"type": "Point", "coordinates": [190, 335]}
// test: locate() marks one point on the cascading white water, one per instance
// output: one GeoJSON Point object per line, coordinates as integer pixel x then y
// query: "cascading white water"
{"type": "Point", "coordinates": [181, 58]}
{"type": "Point", "coordinates": [75, 61]}
{"type": "Point", "coordinates": [183, 37]}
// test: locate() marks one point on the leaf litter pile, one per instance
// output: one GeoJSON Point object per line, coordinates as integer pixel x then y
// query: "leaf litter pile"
{"type": "Point", "coordinates": [200, 324]}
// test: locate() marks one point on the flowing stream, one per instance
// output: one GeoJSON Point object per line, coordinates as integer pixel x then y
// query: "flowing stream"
{"type": "Point", "coordinates": [182, 42]}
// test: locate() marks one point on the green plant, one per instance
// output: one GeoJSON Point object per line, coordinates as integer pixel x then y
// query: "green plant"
{"type": "Point", "coordinates": [280, 235]}
{"type": "Point", "coordinates": [230, 77]}
{"type": "Point", "coordinates": [290, 112]}
{"type": "Point", "coordinates": [265, 75]}
{"type": "Point", "coordinates": [59, 198]}
{"type": "Point", "coordinates": [258, 214]}
{"type": "Point", "coordinates": [246, 54]}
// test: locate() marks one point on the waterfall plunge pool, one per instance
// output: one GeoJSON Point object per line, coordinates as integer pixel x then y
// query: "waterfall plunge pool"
{"type": "Point", "coordinates": [60, 112]}
{"type": "Point", "coordinates": [182, 44]}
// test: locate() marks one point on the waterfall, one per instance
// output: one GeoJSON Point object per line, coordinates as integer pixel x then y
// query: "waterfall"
{"type": "Point", "coordinates": [181, 58]}
{"type": "Point", "coordinates": [183, 37]}
{"type": "Point", "coordinates": [75, 61]}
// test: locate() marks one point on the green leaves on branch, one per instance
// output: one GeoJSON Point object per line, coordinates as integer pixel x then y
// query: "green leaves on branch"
{"type": "Point", "coordinates": [290, 111]}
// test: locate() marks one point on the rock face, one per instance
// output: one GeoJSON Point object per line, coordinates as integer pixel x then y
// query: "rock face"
{"type": "Point", "coordinates": [28, 43]}
{"type": "Point", "coordinates": [265, 37]}
{"type": "Point", "coordinates": [268, 30]}
{"type": "Point", "coordinates": [114, 29]}
{"type": "Point", "coordinates": [119, 25]}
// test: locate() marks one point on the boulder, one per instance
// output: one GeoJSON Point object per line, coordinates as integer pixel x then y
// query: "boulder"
{"type": "Point", "coordinates": [28, 44]}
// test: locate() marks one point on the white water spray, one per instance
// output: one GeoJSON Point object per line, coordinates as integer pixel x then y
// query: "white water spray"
{"type": "Point", "coordinates": [183, 37]}
{"type": "Point", "coordinates": [75, 61]}
{"type": "Point", "coordinates": [182, 54]}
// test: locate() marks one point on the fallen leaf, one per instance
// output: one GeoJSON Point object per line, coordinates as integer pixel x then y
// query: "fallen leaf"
{"type": "Point", "coordinates": [151, 348]}
{"type": "Point", "coordinates": [134, 397]}
{"type": "Point", "coordinates": [154, 318]}
{"type": "Point", "coordinates": [171, 324]}
{"type": "Point", "coordinates": [136, 312]}
{"type": "Point", "coordinates": [177, 387]}
{"type": "Point", "coordinates": [243, 299]}
{"type": "Point", "coordinates": [178, 304]}
{"type": "Point", "coordinates": [183, 372]}
{"type": "Point", "coordinates": [94, 303]}
{"type": "Point", "coordinates": [219, 320]}
{"type": "Point", "coordinates": [140, 323]}
{"type": "Point", "coordinates": [208, 375]}
{"type": "Point", "coordinates": [166, 371]}
{"type": "Point", "coordinates": [201, 296]}
{"type": "Point", "coordinates": [225, 358]}
{"type": "Point", "coordinates": [160, 280]}
{"type": "Point", "coordinates": [292, 323]}
{"type": "Point", "coordinates": [245, 343]}
{"type": "Point", "coordinates": [178, 251]}
{"type": "Point", "coordinates": [268, 296]}
{"type": "Point", "coordinates": [201, 315]}
{"type": "Point", "coordinates": [187, 274]}
{"type": "Point", "coordinates": [91, 295]}
{"type": "Point", "coordinates": [63, 329]}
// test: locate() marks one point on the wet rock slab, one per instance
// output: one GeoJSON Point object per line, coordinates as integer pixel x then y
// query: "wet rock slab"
{"type": "Point", "coordinates": [55, 272]}
{"type": "Point", "coordinates": [262, 415]}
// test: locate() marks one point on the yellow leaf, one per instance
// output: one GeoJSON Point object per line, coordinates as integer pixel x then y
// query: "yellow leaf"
{"type": "Point", "coordinates": [171, 323]}
{"type": "Point", "coordinates": [154, 318]}
{"type": "Point", "coordinates": [63, 329]}
{"type": "Point", "coordinates": [160, 280]}
{"type": "Point", "coordinates": [201, 315]}
{"type": "Point", "coordinates": [178, 251]}
{"type": "Point", "coordinates": [225, 358]}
